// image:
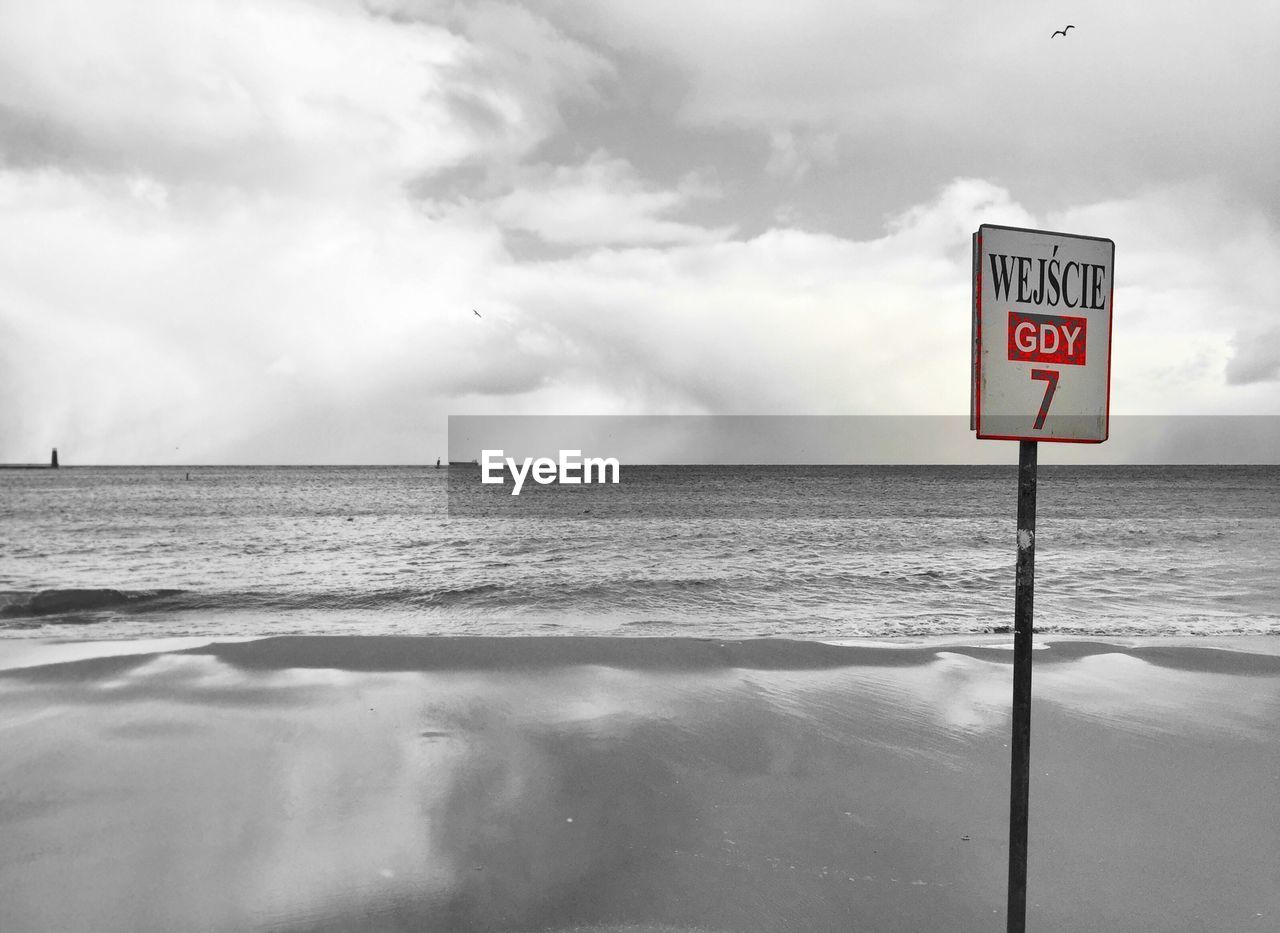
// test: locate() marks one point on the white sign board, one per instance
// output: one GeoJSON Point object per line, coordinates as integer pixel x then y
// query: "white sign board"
{"type": "Point", "coordinates": [1041, 335]}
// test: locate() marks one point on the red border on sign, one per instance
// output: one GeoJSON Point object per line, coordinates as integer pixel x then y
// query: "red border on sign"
{"type": "Point", "coordinates": [977, 365]}
{"type": "Point", "coordinates": [977, 353]}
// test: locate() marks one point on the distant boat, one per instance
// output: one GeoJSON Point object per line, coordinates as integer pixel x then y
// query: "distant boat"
{"type": "Point", "coordinates": [464, 463]}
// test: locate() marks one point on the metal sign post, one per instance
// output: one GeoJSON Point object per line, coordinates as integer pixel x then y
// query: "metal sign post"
{"type": "Point", "coordinates": [1041, 355]}
{"type": "Point", "coordinates": [1020, 743]}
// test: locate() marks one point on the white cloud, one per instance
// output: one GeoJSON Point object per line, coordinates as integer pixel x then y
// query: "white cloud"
{"type": "Point", "coordinates": [786, 322]}
{"type": "Point", "coordinates": [207, 251]}
{"type": "Point", "coordinates": [133, 324]}
{"type": "Point", "coordinates": [316, 333]}
{"type": "Point", "coordinates": [799, 322]}
{"type": "Point", "coordinates": [1197, 276]}
{"type": "Point", "coordinates": [290, 94]}
{"type": "Point", "coordinates": [204, 235]}
{"type": "Point", "coordinates": [599, 201]}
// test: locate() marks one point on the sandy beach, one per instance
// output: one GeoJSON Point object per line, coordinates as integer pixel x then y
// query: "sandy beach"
{"type": "Point", "coordinates": [611, 784]}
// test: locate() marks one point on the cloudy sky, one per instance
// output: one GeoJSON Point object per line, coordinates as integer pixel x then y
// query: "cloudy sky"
{"type": "Point", "coordinates": [255, 231]}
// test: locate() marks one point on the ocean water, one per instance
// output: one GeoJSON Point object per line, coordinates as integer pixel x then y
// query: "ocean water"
{"type": "Point", "coordinates": [809, 552]}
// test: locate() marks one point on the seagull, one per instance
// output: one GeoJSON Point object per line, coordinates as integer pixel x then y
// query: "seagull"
{"type": "Point", "coordinates": [1062, 32]}
{"type": "Point", "coordinates": [475, 312]}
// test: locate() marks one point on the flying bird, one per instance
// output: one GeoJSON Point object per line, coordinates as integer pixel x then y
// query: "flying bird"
{"type": "Point", "coordinates": [475, 312]}
{"type": "Point", "coordinates": [1062, 32]}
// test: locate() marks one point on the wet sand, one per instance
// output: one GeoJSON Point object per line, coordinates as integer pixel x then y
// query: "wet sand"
{"type": "Point", "coordinates": [631, 784]}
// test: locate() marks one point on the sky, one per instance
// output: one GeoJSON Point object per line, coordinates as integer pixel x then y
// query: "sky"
{"type": "Point", "coordinates": [255, 232]}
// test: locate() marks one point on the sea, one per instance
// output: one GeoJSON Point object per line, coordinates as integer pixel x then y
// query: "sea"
{"type": "Point", "coordinates": [833, 552]}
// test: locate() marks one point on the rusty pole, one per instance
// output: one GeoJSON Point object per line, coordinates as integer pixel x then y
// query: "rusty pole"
{"type": "Point", "coordinates": [1020, 744]}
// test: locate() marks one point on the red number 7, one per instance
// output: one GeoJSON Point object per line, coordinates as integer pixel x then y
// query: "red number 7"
{"type": "Point", "coordinates": [1050, 377]}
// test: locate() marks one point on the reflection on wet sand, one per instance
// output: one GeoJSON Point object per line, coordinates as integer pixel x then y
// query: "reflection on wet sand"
{"type": "Point", "coordinates": [262, 786]}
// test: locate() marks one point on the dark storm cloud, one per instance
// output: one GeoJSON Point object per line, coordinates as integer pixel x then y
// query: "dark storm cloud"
{"type": "Point", "coordinates": [921, 93]}
{"type": "Point", "coordinates": [27, 141]}
{"type": "Point", "coordinates": [1257, 359]}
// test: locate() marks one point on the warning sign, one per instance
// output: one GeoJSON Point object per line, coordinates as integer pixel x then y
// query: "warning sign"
{"type": "Point", "coordinates": [1041, 335]}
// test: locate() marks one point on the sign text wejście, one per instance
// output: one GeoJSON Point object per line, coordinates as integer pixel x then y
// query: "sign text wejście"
{"type": "Point", "coordinates": [1048, 281]}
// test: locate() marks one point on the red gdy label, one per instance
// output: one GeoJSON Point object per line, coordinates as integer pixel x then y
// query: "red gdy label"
{"type": "Point", "coordinates": [1046, 338]}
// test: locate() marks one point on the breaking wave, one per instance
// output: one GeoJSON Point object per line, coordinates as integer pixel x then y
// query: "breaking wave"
{"type": "Point", "coordinates": [77, 600]}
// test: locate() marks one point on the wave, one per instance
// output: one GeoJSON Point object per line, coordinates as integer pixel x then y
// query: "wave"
{"type": "Point", "coordinates": [48, 604]}
{"type": "Point", "coordinates": [76, 600]}
{"type": "Point", "coordinates": [649, 605]}
{"type": "Point", "coordinates": [83, 606]}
